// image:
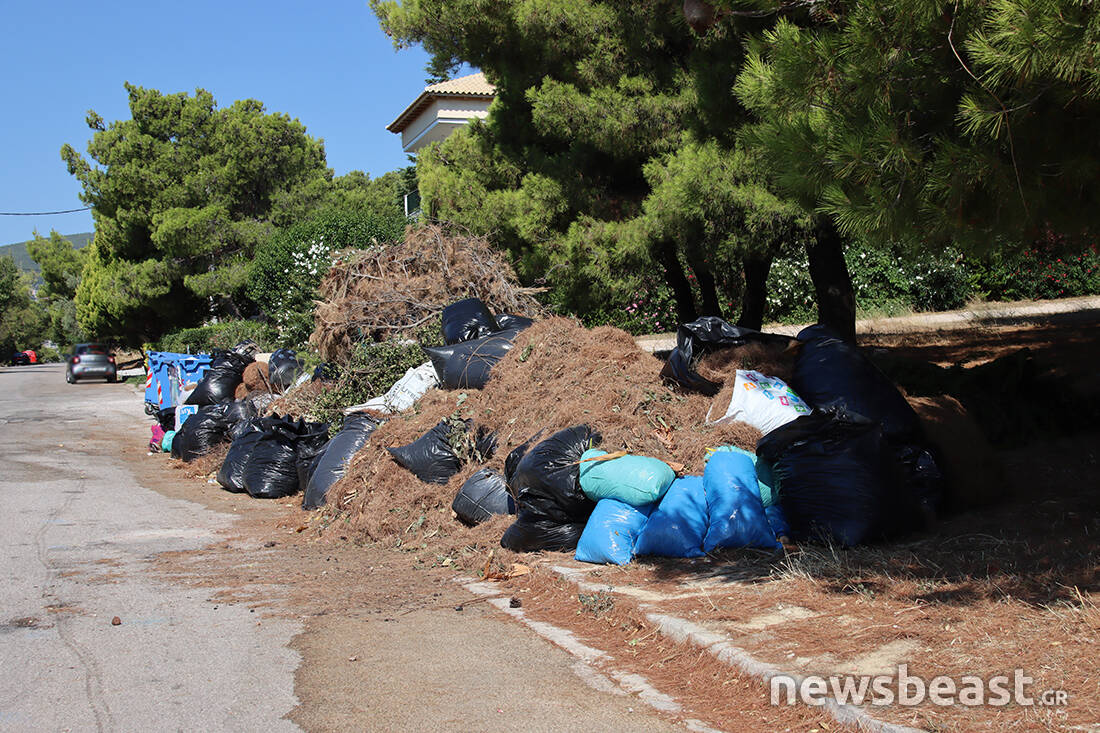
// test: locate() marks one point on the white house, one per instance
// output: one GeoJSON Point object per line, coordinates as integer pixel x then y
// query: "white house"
{"type": "Point", "coordinates": [441, 109]}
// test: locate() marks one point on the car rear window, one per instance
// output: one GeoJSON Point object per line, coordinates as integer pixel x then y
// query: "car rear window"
{"type": "Point", "coordinates": [92, 349]}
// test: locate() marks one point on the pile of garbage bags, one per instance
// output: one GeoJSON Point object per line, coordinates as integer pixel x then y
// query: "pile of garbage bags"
{"type": "Point", "coordinates": [475, 341]}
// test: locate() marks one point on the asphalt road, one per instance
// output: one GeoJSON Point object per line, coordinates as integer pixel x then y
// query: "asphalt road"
{"type": "Point", "coordinates": [78, 537]}
{"type": "Point", "coordinates": [76, 533]}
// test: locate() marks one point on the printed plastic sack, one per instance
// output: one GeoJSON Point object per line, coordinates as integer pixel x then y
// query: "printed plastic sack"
{"type": "Point", "coordinates": [764, 402]}
{"type": "Point", "coordinates": [202, 431]}
{"type": "Point", "coordinates": [838, 479]}
{"type": "Point", "coordinates": [735, 514]}
{"type": "Point", "coordinates": [481, 496]}
{"type": "Point", "coordinates": [431, 458]}
{"type": "Point", "coordinates": [283, 367]}
{"type": "Point", "coordinates": [509, 322]}
{"type": "Point", "coordinates": [221, 379]}
{"type": "Point", "coordinates": [764, 481]}
{"type": "Point", "coordinates": [633, 480]}
{"type": "Point", "coordinates": [611, 532]}
{"type": "Point", "coordinates": [467, 365]}
{"type": "Point", "coordinates": [357, 429]}
{"type": "Point", "coordinates": [831, 373]}
{"type": "Point", "coordinates": [231, 474]}
{"type": "Point", "coordinates": [677, 527]}
{"type": "Point", "coordinates": [700, 337]}
{"type": "Point", "coordinates": [467, 320]}
{"type": "Point", "coordinates": [405, 391]}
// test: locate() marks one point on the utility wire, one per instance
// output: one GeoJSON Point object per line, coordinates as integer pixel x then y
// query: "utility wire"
{"type": "Point", "coordinates": [43, 213]}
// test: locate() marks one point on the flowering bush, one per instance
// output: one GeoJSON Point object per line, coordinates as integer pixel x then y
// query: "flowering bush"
{"type": "Point", "coordinates": [290, 264]}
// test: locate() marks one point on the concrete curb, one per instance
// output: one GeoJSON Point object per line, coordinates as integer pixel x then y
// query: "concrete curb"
{"type": "Point", "coordinates": [989, 314]}
{"type": "Point", "coordinates": [593, 665]}
{"type": "Point", "coordinates": [722, 648]}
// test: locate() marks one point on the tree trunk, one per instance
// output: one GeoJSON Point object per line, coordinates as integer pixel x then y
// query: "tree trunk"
{"type": "Point", "coordinates": [754, 298]}
{"type": "Point", "coordinates": [665, 254]}
{"type": "Point", "coordinates": [708, 291]}
{"type": "Point", "coordinates": [836, 301]}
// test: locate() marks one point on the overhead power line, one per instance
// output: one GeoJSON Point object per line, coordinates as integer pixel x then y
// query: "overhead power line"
{"type": "Point", "coordinates": [42, 213]}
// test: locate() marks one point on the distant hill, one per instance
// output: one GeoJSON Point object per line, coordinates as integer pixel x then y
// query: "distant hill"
{"type": "Point", "coordinates": [23, 261]}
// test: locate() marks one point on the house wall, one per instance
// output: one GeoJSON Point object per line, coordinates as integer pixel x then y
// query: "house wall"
{"type": "Point", "coordinates": [440, 119]}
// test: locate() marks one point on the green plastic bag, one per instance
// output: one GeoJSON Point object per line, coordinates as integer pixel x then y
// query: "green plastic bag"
{"type": "Point", "coordinates": [769, 492]}
{"type": "Point", "coordinates": [633, 480]}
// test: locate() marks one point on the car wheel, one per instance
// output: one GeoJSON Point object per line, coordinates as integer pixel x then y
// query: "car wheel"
{"type": "Point", "coordinates": [70, 378]}
{"type": "Point", "coordinates": [112, 379]}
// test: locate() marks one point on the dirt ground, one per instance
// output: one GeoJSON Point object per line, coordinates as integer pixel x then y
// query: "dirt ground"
{"type": "Point", "coordinates": [993, 589]}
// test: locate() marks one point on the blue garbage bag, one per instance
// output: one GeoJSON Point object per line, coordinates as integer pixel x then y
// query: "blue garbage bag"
{"type": "Point", "coordinates": [611, 532]}
{"type": "Point", "coordinates": [677, 526]}
{"type": "Point", "coordinates": [735, 513]}
{"type": "Point", "coordinates": [764, 479]}
{"type": "Point", "coordinates": [778, 520]}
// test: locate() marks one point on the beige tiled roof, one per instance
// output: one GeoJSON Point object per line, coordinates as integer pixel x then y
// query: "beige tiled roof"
{"type": "Point", "coordinates": [473, 85]}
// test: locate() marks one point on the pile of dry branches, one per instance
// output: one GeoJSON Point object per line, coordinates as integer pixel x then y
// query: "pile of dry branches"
{"type": "Point", "coordinates": [389, 291]}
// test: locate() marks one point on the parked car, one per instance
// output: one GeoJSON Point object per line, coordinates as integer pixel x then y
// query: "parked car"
{"type": "Point", "coordinates": [20, 358]}
{"type": "Point", "coordinates": [91, 361]}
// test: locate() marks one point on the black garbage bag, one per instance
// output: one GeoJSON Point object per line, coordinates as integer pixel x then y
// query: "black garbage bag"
{"type": "Point", "coordinates": [839, 480]}
{"type": "Point", "coordinates": [231, 474]}
{"type": "Point", "coordinates": [221, 379]}
{"type": "Point", "coordinates": [510, 322]}
{"type": "Point", "coordinates": [272, 470]}
{"type": "Point", "coordinates": [546, 481]}
{"type": "Point", "coordinates": [202, 431]}
{"type": "Point", "coordinates": [325, 372]}
{"type": "Point", "coordinates": [700, 337]}
{"type": "Point", "coordinates": [832, 373]}
{"type": "Point", "coordinates": [483, 495]}
{"type": "Point", "coordinates": [531, 533]}
{"type": "Point", "coordinates": [467, 320]}
{"type": "Point", "coordinates": [166, 418]}
{"type": "Point", "coordinates": [357, 430]}
{"type": "Point", "coordinates": [240, 410]}
{"type": "Point", "coordinates": [511, 463]}
{"type": "Point", "coordinates": [308, 459]}
{"type": "Point", "coordinates": [283, 367]}
{"type": "Point", "coordinates": [432, 457]}
{"type": "Point", "coordinates": [467, 365]}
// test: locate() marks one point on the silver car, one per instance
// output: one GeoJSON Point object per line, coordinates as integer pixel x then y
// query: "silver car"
{"type": "Point", "coordinates": [91, 361]}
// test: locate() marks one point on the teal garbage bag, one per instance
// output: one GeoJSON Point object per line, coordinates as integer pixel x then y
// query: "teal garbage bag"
{"type": "Point", "coordinates": [166, 441]}
{"type": "Point", "coordinates": [611, 532]}
{"type": "Point", "coordinates": [633, 480]}
{"type": "Point", "coordinates": [735, 514]}
{"type": "Point", "coordinates": [677, 526]}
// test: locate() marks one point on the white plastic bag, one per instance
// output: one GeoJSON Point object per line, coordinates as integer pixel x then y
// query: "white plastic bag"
{"type": "Point", "coordinates": [764, 402]}
{"type": "Point", "coordinates": [404, 392]}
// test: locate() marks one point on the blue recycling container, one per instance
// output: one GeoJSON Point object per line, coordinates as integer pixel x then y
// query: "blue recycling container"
{"type": "Point", "coordinates": [193, 367]}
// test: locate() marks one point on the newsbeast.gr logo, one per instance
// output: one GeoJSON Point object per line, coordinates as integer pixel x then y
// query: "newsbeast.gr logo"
{"type": "Point", "coordinates": [904, 689]}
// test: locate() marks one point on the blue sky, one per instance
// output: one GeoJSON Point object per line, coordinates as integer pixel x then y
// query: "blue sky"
{"type": "Point", "coordinates": [326, 63]}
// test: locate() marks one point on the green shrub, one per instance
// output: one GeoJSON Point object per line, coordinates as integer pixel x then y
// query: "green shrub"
{"type": "Point", "coordinates": [1049, 270]}
{"type": "Point", "coordinates": [224, 335]}
{"type": "Point", "coordinates": [649, 309]}
{"type": "Point", "coordinates": [370, 371]}
{"type": "Point", "coordinates": [289, 266]}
